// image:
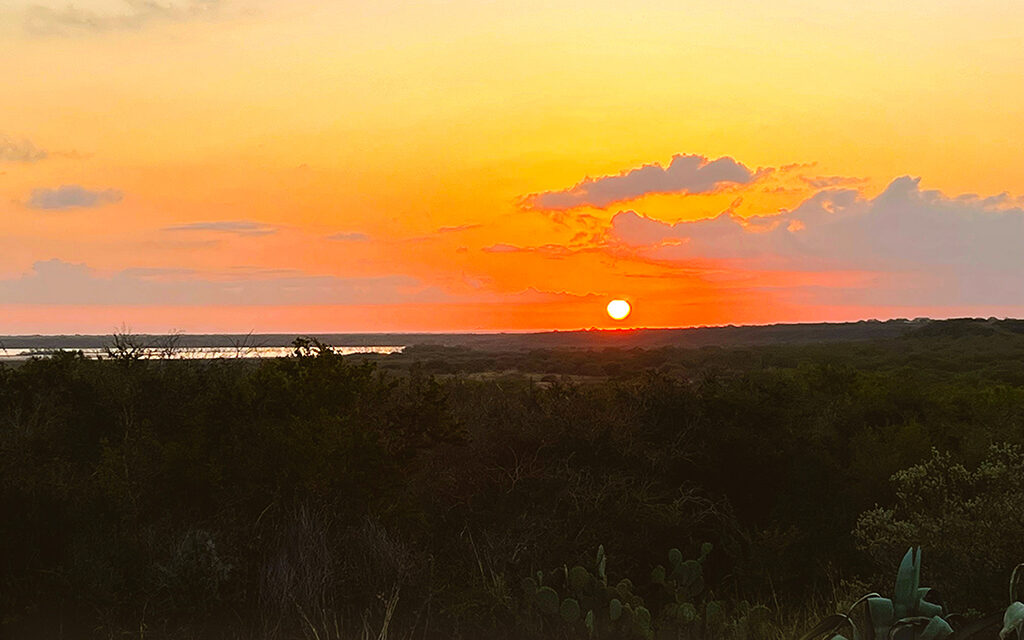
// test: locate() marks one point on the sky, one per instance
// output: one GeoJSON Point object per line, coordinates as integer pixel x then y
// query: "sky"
{"type": "Point", "coordinates": [476, 165]}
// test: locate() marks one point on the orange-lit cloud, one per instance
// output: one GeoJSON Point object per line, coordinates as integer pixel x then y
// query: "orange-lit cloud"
{"type": "Point", "coordinates": [902, 228]}
{"type": "Point", "coordinates": [684, 174]}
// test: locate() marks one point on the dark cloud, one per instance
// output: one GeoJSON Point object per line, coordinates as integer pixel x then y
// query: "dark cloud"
{"type": "Point", "coordinates": [72, 19]}
{"type": "Point", "coordinates": [71, 196]}
{"type": "Point", "coordinates": [19, 151]}
{"type": "Point", "coordinates": [353, 236]}
{"type": "Point", "coordinates": [236, 227]}
{"type": "Point", "coordinates": [685, 174]}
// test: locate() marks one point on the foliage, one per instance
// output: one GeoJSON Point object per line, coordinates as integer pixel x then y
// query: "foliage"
{"type": "Point", "coordinates": [326, 496]}
{"type": "Point", "coordinates": [583, 603]}
{"type": "Point", "coordinates": [195, 573]}
{"type": "Point", "coordinates": [970, 521]}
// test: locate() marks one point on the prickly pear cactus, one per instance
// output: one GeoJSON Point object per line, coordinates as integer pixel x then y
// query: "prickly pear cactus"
{"type": "Point", "coordinates": [580, 599]}
{"type": "Point", "coordinates": [547, 601]}
{"type": "Point", "coordinates": [580, 602]}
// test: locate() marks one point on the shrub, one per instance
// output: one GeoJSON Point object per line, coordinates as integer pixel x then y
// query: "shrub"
{"type": "Point", "coordinates": [970, 523]}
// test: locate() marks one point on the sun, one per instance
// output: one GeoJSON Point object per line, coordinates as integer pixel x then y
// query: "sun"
{"type": "Point", "coordinates": [618, 309]}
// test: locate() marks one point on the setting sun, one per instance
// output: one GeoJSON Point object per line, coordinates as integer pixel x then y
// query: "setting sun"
{"type": "Point", "coordinates": [618, 309]}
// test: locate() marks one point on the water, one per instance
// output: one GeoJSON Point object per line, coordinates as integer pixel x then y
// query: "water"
{"type": "Point", "coordinates": [197, 353]}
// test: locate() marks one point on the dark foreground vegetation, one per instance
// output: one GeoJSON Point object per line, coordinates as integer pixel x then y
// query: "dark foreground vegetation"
{"type": "Point", "coordinates": [711, 493]}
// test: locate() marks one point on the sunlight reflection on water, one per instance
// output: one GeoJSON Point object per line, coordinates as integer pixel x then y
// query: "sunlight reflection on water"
{"type": "Point", "coordinates": [197, 353]}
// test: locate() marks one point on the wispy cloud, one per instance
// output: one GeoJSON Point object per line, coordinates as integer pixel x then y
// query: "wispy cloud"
{"type": "Point", "coordinates": [12, 150]}
{"type": "Point", "coordinates": [502, 247]}
{"type": "Point", "coordinates": [56, 282]}
{"type": "Point", "coordinates": [71, 196]}
{"type": "Point", "coordinates": [236, 227]}
{"type": "Point", "coordinates": [460, 227]}
{"type": "Point", "coordinates": [60, 18]}
{"type": "Point", "coordinates": [350, 236]}
{"type": "Point", "coordinates": [550, 250]}
{"type": "Point", "coordinates": [684, 174]}
{"type": "Point", "coordinates": [828, 182]}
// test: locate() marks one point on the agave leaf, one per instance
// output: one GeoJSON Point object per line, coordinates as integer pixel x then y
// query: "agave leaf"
{"type": "Point", "coordinates": [1013, 620]}
{"type": "Point", "coordinates": [908, 580]}
{"type": "Point", "coordinates": [936, 629]}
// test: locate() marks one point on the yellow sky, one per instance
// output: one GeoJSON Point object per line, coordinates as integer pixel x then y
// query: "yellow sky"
{"type": "Point", "coordinates": [393, 120]}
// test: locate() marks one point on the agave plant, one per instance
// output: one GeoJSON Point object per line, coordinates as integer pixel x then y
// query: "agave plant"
{"type": "Point", "coordinates": [913, 614]}
{"type": "Point", "coordinates": [1013, 619]}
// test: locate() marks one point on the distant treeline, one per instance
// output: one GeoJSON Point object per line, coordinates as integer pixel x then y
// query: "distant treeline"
{"type": "Point", "coordinates": [327, 497]}
{"type": "Point", "coordinates": [593, 339]}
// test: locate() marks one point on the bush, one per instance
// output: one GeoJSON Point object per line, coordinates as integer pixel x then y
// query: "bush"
{"type": "Point", "coordinates": [969, 523]}
{"type": "Point", "coordinates": [194, 575]}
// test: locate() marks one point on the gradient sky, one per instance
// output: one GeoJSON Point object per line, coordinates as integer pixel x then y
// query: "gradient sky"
{"type": "Point", "coordinates": [272, 165]}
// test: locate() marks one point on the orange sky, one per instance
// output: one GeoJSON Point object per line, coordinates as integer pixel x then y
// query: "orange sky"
{"type": "Point", "coordinates": [220, 165]}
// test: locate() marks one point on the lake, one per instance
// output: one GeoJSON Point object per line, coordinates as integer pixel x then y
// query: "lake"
{"type": "Point", "coordinates": [196, 353]}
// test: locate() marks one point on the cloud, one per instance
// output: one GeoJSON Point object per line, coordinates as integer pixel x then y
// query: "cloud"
{"type": "Point", "coordinates": [19, 151]}
{"type": "Point", "coordinates": [353, 236]}
{"type": "Point", "coordinates": [684, 174]}
{"type": "Point", "coordinates": [56, 282]}
{"type": "Point", "coordinates": [236, 227]}
{"type": "Point", "coordinates": [922, 245]}
{"type": "Point", "coordinates": [502, 247]}
{"type": "Point", "coordinates": [71, 196]}
{"type": "Point", "coordinates": [460, 227]}
{"type": "Point", "coordinates": [826, 182]}
{"type": "Point", "coordinates": [550, 250]}
{"type": "Point", "coordinates": [59, 18]}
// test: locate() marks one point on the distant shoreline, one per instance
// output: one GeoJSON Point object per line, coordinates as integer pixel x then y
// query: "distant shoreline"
{"type": "Point", "coordinates": [750, 335]}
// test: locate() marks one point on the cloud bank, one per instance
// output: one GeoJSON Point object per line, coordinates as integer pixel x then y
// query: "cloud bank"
{"type": "Point", "coordinates": [939, 249]}
{"type": "Point", "coordinates": [71, 196]}
{"type": "Point", "coordinates": [684, 174]}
